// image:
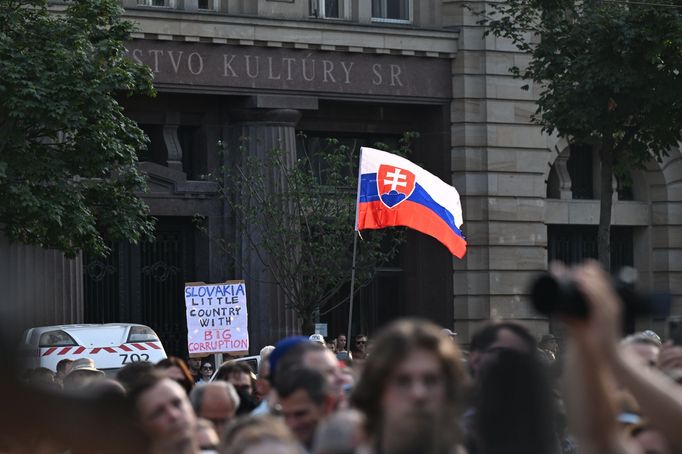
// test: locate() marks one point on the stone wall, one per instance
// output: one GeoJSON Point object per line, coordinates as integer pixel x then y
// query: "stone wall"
{"type": "Point", "coordinates": [40, 287]}
{"type": "Point", "coordinates": [498, 161]}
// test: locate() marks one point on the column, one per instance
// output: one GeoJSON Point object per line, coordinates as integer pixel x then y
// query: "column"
{"type": "Point", "coordinates": [258, 131]}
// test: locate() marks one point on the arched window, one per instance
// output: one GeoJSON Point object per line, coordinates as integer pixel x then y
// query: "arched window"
{"type": "Point", "coordinates": [575, 175]}
{"type": "Point", "coordinates": [581, 172]}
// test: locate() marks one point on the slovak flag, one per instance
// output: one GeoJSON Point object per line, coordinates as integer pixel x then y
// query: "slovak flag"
{"type": "Point", "coordinates": [393, 191]}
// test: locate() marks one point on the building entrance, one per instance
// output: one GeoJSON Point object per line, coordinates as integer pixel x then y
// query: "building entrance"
{"type": "Point", "coordinates": [144, 283]}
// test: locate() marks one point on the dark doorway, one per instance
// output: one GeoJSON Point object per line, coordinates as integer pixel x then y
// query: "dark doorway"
{"type": "Point", "coordinates": [144, 283]}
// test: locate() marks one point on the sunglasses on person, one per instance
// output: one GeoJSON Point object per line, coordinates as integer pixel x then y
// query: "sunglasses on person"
{"type": "Point", "coordinates": [206, 368]}
{"type": "Point", "coordinates": [361, 342]}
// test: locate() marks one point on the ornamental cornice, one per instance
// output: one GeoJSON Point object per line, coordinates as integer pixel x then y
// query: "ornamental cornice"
{"type": "Point", "coordinates": [173, 25]}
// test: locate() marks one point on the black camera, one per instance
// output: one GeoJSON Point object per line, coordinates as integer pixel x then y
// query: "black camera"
{"type": "Point", "coordinates": [552, 295]}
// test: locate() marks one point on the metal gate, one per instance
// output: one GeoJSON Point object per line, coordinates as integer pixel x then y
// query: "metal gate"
{"type": "Point", "coordinates": [575, 243]}
{"type": "Point", "coordinates": [144, 283]}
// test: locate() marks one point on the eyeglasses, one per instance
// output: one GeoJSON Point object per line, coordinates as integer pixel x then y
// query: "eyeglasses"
{"type": "Point", "coordinates": [360, 342]}
{"type": "Point", "coordinates": [206, 368]}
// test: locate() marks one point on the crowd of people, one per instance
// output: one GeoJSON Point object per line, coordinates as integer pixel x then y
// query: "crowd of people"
{"type": "Point", "coordinates": [412, 389]}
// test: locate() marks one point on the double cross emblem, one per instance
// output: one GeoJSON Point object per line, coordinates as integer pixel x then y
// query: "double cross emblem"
{"type": "Point", "coordinates": [394, 185]}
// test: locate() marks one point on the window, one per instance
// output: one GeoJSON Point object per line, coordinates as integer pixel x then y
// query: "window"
{"type": "Point", "coordinates": [188, 137]}
{"type": "Point", "coordinates": [313, 145]}
{"type": "Point", "coordinates": [399, 11]}
{"type": "Point", "coordinates": [154, 152]}
{"type": "Point", "coordinates": [575, 243]}
{"type": "Point", "coordinates": [330, 9]}
{"type": "Point", "coordinates": [580, 166]}
{"type": "Point", "coordinates": [157, 3]}
{"type": "Point", "coordinates": [625, 188]}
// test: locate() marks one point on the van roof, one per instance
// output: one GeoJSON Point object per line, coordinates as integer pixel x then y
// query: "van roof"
{"type": "Point", "coordinates": [97, 335]}
{"type": "Point", "coordinates": [78, 327]}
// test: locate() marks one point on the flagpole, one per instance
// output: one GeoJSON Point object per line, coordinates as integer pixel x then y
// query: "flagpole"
{"type": "Point", "coordinates": [352, 290]}
{"type": "Point", "coordinates": [356, 233]}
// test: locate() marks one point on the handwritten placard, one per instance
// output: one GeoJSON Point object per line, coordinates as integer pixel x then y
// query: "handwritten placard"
{"type": "Point", "coordinates": [217, 318]}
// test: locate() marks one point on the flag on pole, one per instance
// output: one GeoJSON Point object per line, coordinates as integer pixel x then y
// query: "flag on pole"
{"type": "Point", "coordinates": [393, 191]}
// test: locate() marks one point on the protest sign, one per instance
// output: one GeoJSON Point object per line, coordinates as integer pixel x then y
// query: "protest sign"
{"type": "Point", "coordinates": [217, 318]}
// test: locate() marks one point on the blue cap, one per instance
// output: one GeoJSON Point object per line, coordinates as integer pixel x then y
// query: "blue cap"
{"type": "Point", "coordinates": [282, 348]}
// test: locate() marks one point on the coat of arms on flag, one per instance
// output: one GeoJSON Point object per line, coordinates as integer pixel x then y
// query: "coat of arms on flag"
{"type": "Point", "coordinates": [394, 184]}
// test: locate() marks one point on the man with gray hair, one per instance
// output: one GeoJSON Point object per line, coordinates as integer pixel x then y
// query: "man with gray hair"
{"type": "Point", "coordinates": [263, 386]}
{"type": "Point", "coordinates": [216, 401]}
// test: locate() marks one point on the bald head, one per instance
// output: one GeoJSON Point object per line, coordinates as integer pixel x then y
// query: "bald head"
{"type": "Point", "coordinates": [217, 401]}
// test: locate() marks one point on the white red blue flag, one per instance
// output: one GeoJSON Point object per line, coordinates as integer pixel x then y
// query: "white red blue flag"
{"type": "Point", "coordinates": [393, 191]}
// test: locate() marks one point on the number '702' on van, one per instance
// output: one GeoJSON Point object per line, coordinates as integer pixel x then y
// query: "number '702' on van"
{"type": "Point", "coordinates": [111, 346]}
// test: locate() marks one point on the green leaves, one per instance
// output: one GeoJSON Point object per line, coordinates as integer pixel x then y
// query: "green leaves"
{"type": "Point", "coordinates": [609, 74]}
{"type": "Point", "coordinates": [67, 151]}
{"type": "Point", "coordinates": [605, 68]}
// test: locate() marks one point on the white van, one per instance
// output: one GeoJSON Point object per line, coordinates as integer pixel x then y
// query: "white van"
{"type": "Point", "coordinates": [111, 346]}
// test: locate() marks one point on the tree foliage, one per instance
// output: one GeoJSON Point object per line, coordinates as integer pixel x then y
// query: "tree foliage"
{"type": "Point", "coordinates": [298, 218]}
{"type": "Point", "coordinates": [608, 74]}
{"type": "Point", "coordinates": [68, 172]}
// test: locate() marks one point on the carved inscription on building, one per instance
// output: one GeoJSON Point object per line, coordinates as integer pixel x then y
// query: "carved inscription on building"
{"type": "Point", "coordinates": [212, 65]}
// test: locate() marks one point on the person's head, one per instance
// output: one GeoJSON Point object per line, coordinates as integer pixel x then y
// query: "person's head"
{"type": "Point", "coordinates": [177, 370]}
{"type": "Point", "coordinates": [319, 338]}
{"type": "Point", "coordinates": [83, 372]}
{"type": "Point", "coordinates": [217, 402]}
{"type": "Point", "coordinates": [107, 388]}
{"type": "Point", "coordinates": [361, 343]}
{"type": "Point", "coordinates": [63, 369]}
{"type": "Point", "coordinates": [514, 409]}
{"type": "Point", "coordinates": [44, 378]}
{"type": "Point", "coordinates": [644, 346]}
{"type": "Point", "coordinates": [341, 433]}
{"type": "Point", "coordinates": [548, 342]}
{"type": "Point", "coordinates": [132, 372]}
{"type": "Point", "coordinates": [163, 411]}
{"type": "Point", "coordinates": [262, 383]}
{"type": "Point", "coordinates": [259, 435]}
{"type": "Point", "coordinates": [42, 375]}
{"type": "Point", "coordinates": [305, 401]}
{"type": "Point", "coordinates": [331, 345]}
{"type": "Point", "coordinates": [315, 356]}
{"type": "Point", "coordinates": [341, 342]}
{"type": "Point", "coordinates": [206, 435]}
{"type": "Point", "coordinates": [495, 338]}
{"type": "Point", "coordinates": [264, 365]}
{"type": "Point", "coordinates": [414, 372]}
{"type": "Point", "coordinates": [206, 371]}
{"type": "Point", "coordinates": [194, 365]}
{"type": "Point", "coordinates": [238, 373]}
{"type": "Point", "coordinates": [282, 350]}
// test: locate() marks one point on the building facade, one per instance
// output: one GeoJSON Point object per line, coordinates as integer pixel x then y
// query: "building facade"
{"type": "Point", "coordinates": [364, 71]}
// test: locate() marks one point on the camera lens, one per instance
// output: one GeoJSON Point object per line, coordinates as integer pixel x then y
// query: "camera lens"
{"type": "Point", "coordinates": [551, 295]}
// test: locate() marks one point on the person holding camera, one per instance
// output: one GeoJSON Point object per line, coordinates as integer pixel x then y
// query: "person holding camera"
{"type": "Point", "coordinates": [596, 364]}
